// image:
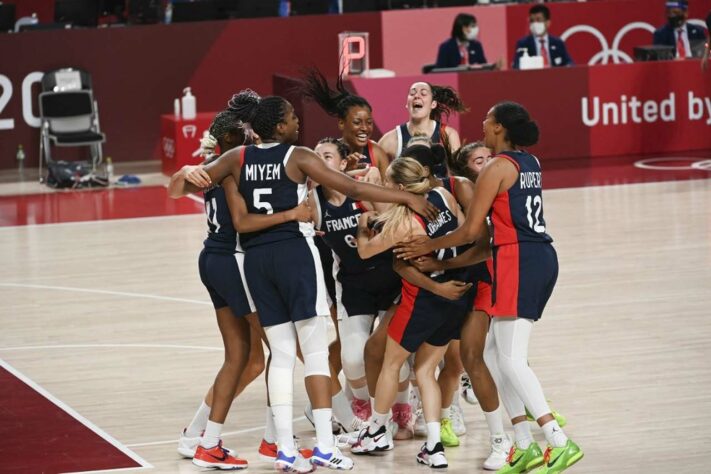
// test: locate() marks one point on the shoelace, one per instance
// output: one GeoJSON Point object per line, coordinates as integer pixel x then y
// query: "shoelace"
{"type": "Point", "coordinates": [510, 457]}
{"type": "Point", "coordinates": [547, 454]}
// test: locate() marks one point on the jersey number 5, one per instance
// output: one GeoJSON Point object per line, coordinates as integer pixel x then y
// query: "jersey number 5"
{"type": "Point", "coordinates": [258, 203]}
{"type": "Point", "coordinates": [538, 204]}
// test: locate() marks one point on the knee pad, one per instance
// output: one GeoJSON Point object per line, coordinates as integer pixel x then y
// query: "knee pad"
{"type": "Point", "coordinates": [313, 340]}
{"type": "Point", "coordinates": [354, 331]}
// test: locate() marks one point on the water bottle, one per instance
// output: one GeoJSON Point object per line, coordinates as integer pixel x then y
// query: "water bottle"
{"type": "Point", "coordinates": [109, 169]}
{"type": "Point", "coordinates": [168, 18]}
{"type": "Point", "coordinates": [188, 105]}
{"type": "Point", "coordinates": [20, 157]}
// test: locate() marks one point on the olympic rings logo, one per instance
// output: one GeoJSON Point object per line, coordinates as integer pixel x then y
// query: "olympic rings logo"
{"type": "Point", "coordinates": [689, 163]}
{"type": "Point", "coordinates": [612, 52]}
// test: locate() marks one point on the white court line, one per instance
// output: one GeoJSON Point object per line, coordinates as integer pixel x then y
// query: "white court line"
{"type": "Point", "coordinates": [103, 221]}
{"type": "Point", "coordinates": [228, 433]}
{"type": "Point", "coordinates": [195, 198]}
{"type": "Point", "coordinates": [74, 414]}
{"type": "Point", "coordinates": [112, 346]}
{"type": "Point", "coordinates": [103, 292]}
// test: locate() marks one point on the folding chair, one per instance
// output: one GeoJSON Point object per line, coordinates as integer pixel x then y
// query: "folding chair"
{"type": "Point", "coordinates": [69, 115]}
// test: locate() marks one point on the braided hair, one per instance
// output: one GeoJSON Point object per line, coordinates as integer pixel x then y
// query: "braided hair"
{"type": "Point", "coordinates": [336, 103]}
{"type": "Point", "coordinates": [520, 129]}
{"type": "Point", "coordinates": [341, 147]}
{"type": "Point", "coordinates": [262, 113]}
{"type": "Point", "coordinates": [225, 122]}
{"type": "Point", "coordinates": [448, 101]}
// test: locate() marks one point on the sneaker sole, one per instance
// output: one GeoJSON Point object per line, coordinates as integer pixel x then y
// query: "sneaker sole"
{"type": "Point", "coordinates": [287, 468]}
{"type": "Point", "coordinates": [425, 463]}
{"type": "Point", "coordinates": [186, 453]}
{"type": "Point", "coordinates": [266, 458]}
{"type": "Point", "coordinates": [328, 465]}
{"type": "Point", "coordinates": [537, 462]}
{"type": "Point", "coordinates": [376, 450]}
{"type": "Point", "coordinates": [217, 465]}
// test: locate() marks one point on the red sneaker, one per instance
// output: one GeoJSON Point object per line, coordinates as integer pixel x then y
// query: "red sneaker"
{"type": "Point", "coordinates": [218, 458]}
{"type": "Point", "coordinates": [268, 451]}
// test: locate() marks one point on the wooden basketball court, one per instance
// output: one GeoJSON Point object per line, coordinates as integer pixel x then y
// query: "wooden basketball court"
{"type": "Point", "coordinates": [110, 318]}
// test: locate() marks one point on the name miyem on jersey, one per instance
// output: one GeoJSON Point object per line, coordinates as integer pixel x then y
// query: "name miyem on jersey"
{"type": "Point", "coordinates": [267, 189]}
{"type": "Point", "coordinates": [517, 215]}
{"type": "Point", "coordinates": [340, 226]}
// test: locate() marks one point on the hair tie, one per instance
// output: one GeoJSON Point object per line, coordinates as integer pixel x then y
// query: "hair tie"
{"type": "Point", "coordinates": [208, 143]}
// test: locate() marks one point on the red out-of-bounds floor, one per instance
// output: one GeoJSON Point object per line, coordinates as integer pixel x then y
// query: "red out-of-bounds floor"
{"type": "Point", "coordinates": [152, 201]}
{"type": "Point", "coordinates": [94, 205]}
{"type": "Point", "coordinates": [37, 432]}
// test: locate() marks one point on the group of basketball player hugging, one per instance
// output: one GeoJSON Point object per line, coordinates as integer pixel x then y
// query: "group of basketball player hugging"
{"type": "Point", "coordinates": [431, 258]}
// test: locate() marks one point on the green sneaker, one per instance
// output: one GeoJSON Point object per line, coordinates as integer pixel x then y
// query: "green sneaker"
{"type": "Point", "coordinates": [557, 460]}
{"type": "Point", "coordinates": [520, 460]}
{"type": "Point", "coordinates": [446, 433]}
{"type": "Point", "coordinates": [562, 421]}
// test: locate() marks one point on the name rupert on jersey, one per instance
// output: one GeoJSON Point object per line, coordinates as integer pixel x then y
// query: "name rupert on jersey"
{"type": "Point", "coordinates": [530, 179]}
{"type": "Point", "coordinates": [263, 172]}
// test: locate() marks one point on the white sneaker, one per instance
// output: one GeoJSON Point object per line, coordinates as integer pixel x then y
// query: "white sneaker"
{"type": "Point", "coordinates": [434, 458]}
{"type": "Point", "coordinates": [309, 414]}
{"type": "Point", "coordinates": [500, 447]}
{"type": "Point", "coordinates": [457, 418]}
{"type": "Point", "coordinates": [295, 463]}
{"type": "Point", "coordinates": [332, 460]}
{"type": "Point", "coordinates": [420, 424]}
{"type": "Point", "coordinates": [381, 440]}
{"type": "Point", "coordinates": [466, 390]}
{"type": "Point", "coordinates": [188, 445]}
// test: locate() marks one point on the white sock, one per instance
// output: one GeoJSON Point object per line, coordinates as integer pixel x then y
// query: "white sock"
{"type": "Point", "coordinates": [455, 398]}
{"type": "Point", "coordinates": [197, 426]}
{"type": "Point", "coordinates": [324, 435]}
{"type": "Point", "coordinates": [372, 404]}
{"type": "Point", "coordinates": [404, 396]}
{"type": "Point", "coordinates": [495, 422]}
{"type": "Point", "coordinates": [361, 393]}
{"type": "Point", "coordinates": [269, 428]}
{"type": "Point", "coordinates": [522, 434]}
{"type": "Point", "coordinates": [348, 390]}
{"type": "Point", "coordinates": [376, 421]}
{"type": "Point", "coordinates": [433, 438]}
{"type": "Point", "coordinates": [342, 408]}
{"type": "Point", "coordinates": [283, 422]}
{"type": "Point", "coordinates": [445, 413]}
{"type": "Point", "coordinates": [211, 438]}
{"type": "Point", "coordinates": [554, 434]}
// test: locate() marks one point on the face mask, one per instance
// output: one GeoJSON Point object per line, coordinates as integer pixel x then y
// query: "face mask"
{"type": "Point", "coordinates": [473, 33]}
{"type": "Point", "coordinates": [675, 21]}
{"type": "Point", "coordinates": [538, 28]}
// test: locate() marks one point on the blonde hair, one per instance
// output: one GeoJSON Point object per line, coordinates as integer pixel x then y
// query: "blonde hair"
{"type": "Point", "coordinates": [414, 178]}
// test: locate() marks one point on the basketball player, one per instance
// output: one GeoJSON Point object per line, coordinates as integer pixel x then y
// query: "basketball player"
{"type": "Point", "coordinates": [364, 288]}
{"type": "Point", "coordinates": [283, 267]}
{"type": "Point", "coordinates": [469, 160]}
{"type": "Point", "coordinates": [221, 271]}
{"type": "Point", "coordinates": [525, 269]}
{"type": "Point", "coordinates": [428, 318]}
{"type": "Point", "coordinates": [426, 104]}
{"type": "Point", "coordinates": [354, 115]}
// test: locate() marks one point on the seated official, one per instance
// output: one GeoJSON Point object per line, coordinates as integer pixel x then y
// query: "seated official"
{"type": "Point", "coordinates": [678, 32]}
{"type": "Point", "coordinates": [462, 48]}
{"type": "Point", "coordinates": [540, 43]}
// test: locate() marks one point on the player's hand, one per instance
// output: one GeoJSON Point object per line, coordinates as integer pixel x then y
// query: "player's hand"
{"type": "Point", "coordinates": [426, 264]}
{"type": "Point", "coordinates": [452, 290]}
{"type": "Point", "coordinates": [354, 161]}
{"type": "Point", "coordinates": [414, 247]}
{"type": "Point", "coordinates": [372, 176]}
{"type": "Point", "coordinates": [365, 219]}
{"type": "Point", "coordinates": [197, 175]}
{"type": "Point", "coordinates": [302, 212]}
{"type": "Point", "coordinates": [423, 207]}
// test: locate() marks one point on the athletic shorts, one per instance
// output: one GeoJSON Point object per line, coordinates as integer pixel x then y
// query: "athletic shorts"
{"type": "Point", "coordinates": [326, 255]}
{"type": "Point", "coordinates": [523, 277]}
{"type": "Point", "coordinates": [425, 317]}
{"type": "Point", "coordinates": [223, 276]}
{"type": "Point", "coordinates": [367, 293]}
{"type": "Point", "coordinates": [286, 281]}
{"type": "Point", "coordinates": [482, 300]}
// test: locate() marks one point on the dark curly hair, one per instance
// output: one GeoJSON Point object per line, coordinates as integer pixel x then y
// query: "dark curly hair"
{"type": "Point", "coordinates": [448, 101]}
{"type": "Point", "coordinates": [227, 122]}
{"type": "Point", "coordinates": [520, 129]}
{"type": "Point", "coordinates": [262, 113]}
{"type": "Point", "coordinates": [314, 86]}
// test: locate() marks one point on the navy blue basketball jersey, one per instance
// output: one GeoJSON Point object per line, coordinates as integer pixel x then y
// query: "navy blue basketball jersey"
{"type": "Point", "coordinates": [517, 215]}
{"type": "Point", "coordinates": [340, 225]}
{"type": "Point", "coordinates": [267, 189]}
{"type": "Point", "coordinates": [368, 157]}
{"type": "Point", "coordinates": [445, 222]}
{"type": "Point", "coordinates": [449, 184]}
{"type": "Point", "coordinates": [403, 136]}
{"type": "Point", "coordinates": [221, 234]}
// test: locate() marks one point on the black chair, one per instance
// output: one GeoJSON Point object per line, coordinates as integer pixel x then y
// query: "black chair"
{"type": "Point", "coordinates": [201, 10]}
{"type": "Point", "coordinates": [77, 12]}
{"type": "Point", "coordinates": [654, 53]}
{"type": "Point", "coordinates": [7, 17]}
{"type": "Point", "coordinates": [354, 6]}
{"type": "Point", "coordinates": [309, 7]}
{"type": "Point", "coordinates": [255, 9]}
{"type": "Point", "coordinates": [69, 115]}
